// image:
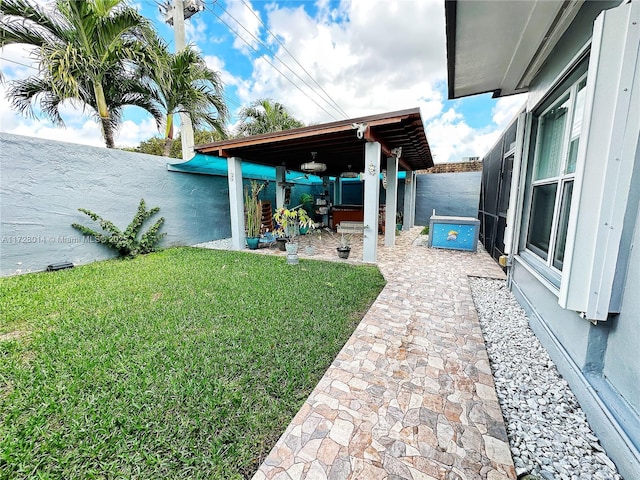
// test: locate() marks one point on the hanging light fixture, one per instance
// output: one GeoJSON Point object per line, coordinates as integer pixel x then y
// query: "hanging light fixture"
{"type": "Point", "coordinates": [349, 173]}
{"type": "Point", "coordinates": [313, 166]}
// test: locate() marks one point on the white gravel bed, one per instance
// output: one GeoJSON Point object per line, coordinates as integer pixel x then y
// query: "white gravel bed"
{"type": "Point", "coordinates": [548, 431]}
{"type": "Point", "coordinates": [222, 244]}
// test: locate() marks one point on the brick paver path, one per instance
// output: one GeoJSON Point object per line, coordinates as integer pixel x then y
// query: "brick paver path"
{"type": "Point", "coordinates": [410, 395]}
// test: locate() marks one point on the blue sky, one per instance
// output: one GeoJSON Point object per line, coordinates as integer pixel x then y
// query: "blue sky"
{"type": "Point", "coordinates": [368, 56]}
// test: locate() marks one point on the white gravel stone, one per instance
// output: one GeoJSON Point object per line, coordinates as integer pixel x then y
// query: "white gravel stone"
{"type": "Point", "coordinates": [222, 244]}
{"type": "Point", "coordinates": [548, 432]}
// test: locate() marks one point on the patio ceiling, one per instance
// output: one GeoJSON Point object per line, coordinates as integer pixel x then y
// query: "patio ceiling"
{"type": "Point", "coordinates": [337, 144]}
{"type": "Point", "coordinates": [500, 46]}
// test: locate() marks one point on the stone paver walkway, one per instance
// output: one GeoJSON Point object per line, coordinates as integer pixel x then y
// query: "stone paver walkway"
{"type": "Point", "coordinates": [410, 395]}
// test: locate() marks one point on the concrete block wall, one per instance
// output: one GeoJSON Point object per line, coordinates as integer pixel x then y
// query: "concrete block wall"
{"type": "Point", "coordinates": [43, 183]}
{"type": "Point", "coordinates": [454, 194]}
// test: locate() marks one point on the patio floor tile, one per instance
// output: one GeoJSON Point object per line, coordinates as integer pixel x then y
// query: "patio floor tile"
{"type": "Point", "coordinates": [410, 395]}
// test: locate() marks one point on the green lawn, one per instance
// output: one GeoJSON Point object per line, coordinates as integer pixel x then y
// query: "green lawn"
{"type": "Point", "coordinates": [186, 363]}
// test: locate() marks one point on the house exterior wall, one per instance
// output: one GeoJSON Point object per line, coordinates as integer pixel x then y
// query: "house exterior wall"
{"type": "Point", "coordinates": [622, 358]}
{"type": "Point", "coordinates": [567, 326]}
{"type": "Point", "coordinates": [600, 360]}
{"type": "Point", "coordinates": [43, 183]}
{"type": "Point", "coordinates": [576, 36]}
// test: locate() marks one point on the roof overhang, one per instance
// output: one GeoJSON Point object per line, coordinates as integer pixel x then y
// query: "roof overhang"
{"type": "Point", "coordinates": [340, 145]}
{"type": "Point", "coordinates": [499, 47]}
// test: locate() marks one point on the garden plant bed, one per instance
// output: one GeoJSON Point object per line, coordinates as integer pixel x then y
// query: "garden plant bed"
{"type": "Point", "coordinates": [179, 364]}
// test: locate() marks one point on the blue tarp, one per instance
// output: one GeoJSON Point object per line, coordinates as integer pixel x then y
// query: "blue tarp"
{"type": "Point", "coordinates": [212, 165]}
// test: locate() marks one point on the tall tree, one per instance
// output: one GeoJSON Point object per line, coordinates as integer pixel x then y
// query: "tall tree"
{"type": "Point", "coordinates": [120, 91]}
{"type": "Point", "coordinates": [265, 116]}
{"type": "Point", "coordinates": [182, 83]}
{"type": "Point", "coordinates": [155, 145]}
{"type": "Point", "coordinates": [82, 47]}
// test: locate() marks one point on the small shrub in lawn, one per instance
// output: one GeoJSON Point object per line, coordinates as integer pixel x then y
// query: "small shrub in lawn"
{"type": "Point", "coordinates": [126, 243]}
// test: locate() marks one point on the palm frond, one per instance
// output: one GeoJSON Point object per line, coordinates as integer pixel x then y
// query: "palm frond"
{"type": "Point", "coordinates": [24, 22]}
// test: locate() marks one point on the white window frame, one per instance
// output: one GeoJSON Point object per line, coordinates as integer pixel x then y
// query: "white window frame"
{"type": "Point", "coordinates": [605, 165]}
{"type": "Point", "coordinates": [561, 179]}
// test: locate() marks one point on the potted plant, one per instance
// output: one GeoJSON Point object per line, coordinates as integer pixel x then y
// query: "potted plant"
{"type": "Point", "coordinates": [306, 202]}
{"type": "Point", "coordinates": [289, 222]}
{"type": "Point", "coordinates": [344, 244]}
{"type": "Point", "coordinates": [254, 213]}
{"type": "Point", "coordinates": [399, 218]}
{"type": "Point", "coordinates": [344, 247]}
{"type": "Point", "coordinates": [310, 248]}
{"type": "Point", "coordinates": [382, 225]}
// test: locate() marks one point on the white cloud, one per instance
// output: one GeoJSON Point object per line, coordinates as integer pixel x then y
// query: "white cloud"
{"type": "Point", "coordinates": [130, 133]}
{"type": "Point", "coordinates": [244, 20]}
{"type": "Point", "coordinates": [370, 57]}
{"type": "Point", "coordinates": [506, 109]}
{"type": "Point", "coordinates": [195, 30]}
{"type": "Point", "coordinates": [451, 138]}
{"type": "Point", "coordinates": [217, 64]}
{"type": "Point", "coordinates": [79, 128]}
{"type": "Point", "coordinates": [16, 62]}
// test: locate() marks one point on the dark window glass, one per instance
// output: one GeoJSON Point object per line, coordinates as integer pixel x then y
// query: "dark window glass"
{"type": "Point", "coordinates": [542, 204]}
{"type": "Point", "coordinates": [561, 237]}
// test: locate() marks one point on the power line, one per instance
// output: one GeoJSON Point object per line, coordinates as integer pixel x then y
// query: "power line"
{"type": "Point", "coordinates": [329, 100]}
{"type": "Point", "coordinates": [270, 63]}
{"type": "Point", "coordinates": [18, 63]}
{"type": "Point", "coordinates": [337, 106]}
{"type": "Point", "coordinates": [266, 48]}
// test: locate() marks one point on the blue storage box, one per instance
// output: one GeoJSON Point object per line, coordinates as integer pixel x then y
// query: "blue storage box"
{"type": "Point", "coordinates": [455, 233]}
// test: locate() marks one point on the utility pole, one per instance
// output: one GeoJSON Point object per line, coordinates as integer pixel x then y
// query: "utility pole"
{"type": "Point", "coordinates": [175, 15]}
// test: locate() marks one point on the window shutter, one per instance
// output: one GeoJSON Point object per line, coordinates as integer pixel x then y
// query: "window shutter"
{"type": "Point", "coordinates": [595, 255]}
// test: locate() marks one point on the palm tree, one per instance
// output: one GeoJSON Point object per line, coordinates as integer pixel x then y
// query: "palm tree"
{"type": "Point", "coordinates": [82, 47]}
{"type": "Point", "coordinates": [119, 92]}
{"type": "Point", "coordinates": [182, 83]}
{"type": "Point", "coordinates": [265, 116]}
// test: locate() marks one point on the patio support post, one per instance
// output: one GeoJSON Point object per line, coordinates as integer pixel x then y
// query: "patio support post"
{"type": "Point", "coordinates": [337, 191]}
{"type": "Point", "coordinates": [281, 174]}
{"type": "Point", "coordinates": [372, 153]}
{"type": "Point", "coordinates": [409, 205]}
{"type": "Point", "coordinates": [326, 181]}
{"type": "Point", "coordinates": [414, 191]}
{"type": "Point", "coordinates": [391, 201]}
{"type": "Point", "coordinates": [236, 202]}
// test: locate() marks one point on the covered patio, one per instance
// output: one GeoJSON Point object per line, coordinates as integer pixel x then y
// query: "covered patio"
{"type": "Point", "coordinates": [364, 146]}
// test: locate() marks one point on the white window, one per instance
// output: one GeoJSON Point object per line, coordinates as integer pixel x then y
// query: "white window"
{"type": "Point", "coordinates": [605, 202]}
{"type": "Point", "coordinates": [558, 129]}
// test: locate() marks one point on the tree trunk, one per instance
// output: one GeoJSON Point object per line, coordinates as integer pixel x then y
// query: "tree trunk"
{"type": "Point", "coordinates": [103, 111]}
{"type": "Point", "coordinates": [166, 150]}
{"type": "Point", "coordinates": [168, 136]}
{"type": "Point", "coordinates": [107, 131]}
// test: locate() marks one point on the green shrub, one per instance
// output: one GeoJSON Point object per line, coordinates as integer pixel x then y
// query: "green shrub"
{"type": "Point", "coordinates": [126, 243]}
{"type": "Point", "coordinates": [425, 230]}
